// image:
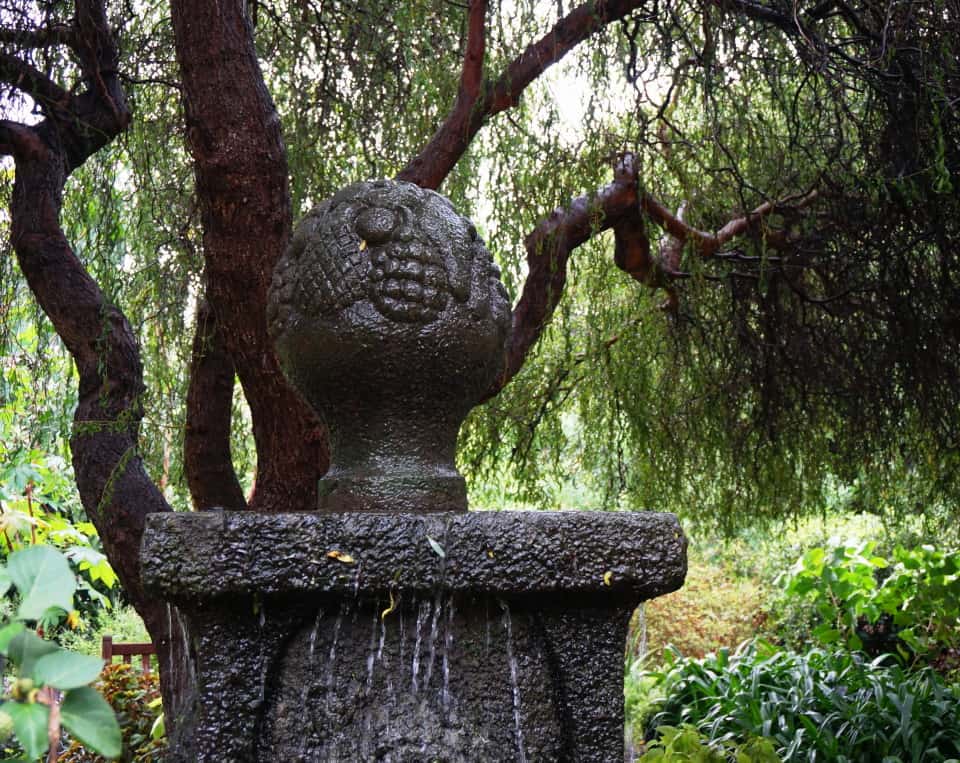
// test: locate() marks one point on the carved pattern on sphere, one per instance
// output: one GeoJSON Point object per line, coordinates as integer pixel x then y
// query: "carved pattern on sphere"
{"type": "Point", "coordinates": [373, 242]}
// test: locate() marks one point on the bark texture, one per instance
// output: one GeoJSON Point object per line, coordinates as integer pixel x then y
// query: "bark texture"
{"type": "Point", "coordinates": [241, 173]}
{"type": "Point", "coordinates": [206, 438]}
{"type": "Point", "coordinates": [116, 492]}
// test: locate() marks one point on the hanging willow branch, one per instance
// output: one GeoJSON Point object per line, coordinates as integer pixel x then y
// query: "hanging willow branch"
{"type": "Point", "coordinates": [618, 206]}
{"type": "Point", "coordinates": [474, 106]}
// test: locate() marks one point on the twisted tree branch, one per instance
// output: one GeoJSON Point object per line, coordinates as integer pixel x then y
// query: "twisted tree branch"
{"type": "Point", "coordinates": [57, 34]}
{"type": "Point", "coordinates": [432, 165]}
{"type": "Point", "coordinates": [618, 206]}
{"type": "Point", "coordinates": [30, 80]}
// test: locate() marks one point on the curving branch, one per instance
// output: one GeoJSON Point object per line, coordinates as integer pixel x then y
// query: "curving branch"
{"type": "Point", "coordinates": [432, 165]}
{"type": "Point", "coordinates": [708, 244]}
{"type": "Point", "coordinates": [621, 207]}
{"type": "Point", "coordinates": [240, 164]}
{"type": "Point", "coordinates": [206, 439]}
{"type": "Point", "coordinates": [30, 80]}
{"type": "Point", "coordinates": [44, 37]}
{"type": "Point", "coordinates": [114, 487]}
{"type": "Point", "coordinates": [549, 247]}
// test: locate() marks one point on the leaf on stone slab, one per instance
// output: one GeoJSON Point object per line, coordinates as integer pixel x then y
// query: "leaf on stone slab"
{"type": "Point", "coordinates": [388, 610]}
{"type": "Point", "coordinates": [341, 556]}
{"type": "Point", "coordinates": [437, 548]}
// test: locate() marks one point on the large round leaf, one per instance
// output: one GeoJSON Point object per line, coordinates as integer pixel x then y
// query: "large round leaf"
{"type": "Point", "coordinates": [67, 670]}
{"type": "Point", "coordinates": [88, 717]}
{"type": "Point", "coordinates": [44, 579]}
{"type": "Point", "coordinates": [30, 725]}
{"type": "Point", "coordinates": [25, 648]}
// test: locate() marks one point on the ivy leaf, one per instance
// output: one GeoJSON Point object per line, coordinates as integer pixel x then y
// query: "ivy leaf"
{"type": "Point", "coordinates": [88, 717]}
{"type": "Point", "coordinates": [30, 725]}
{"type": "Point", "coordinates": [67, 670]}
{"type": "Point", "coordinates": [44, 579]}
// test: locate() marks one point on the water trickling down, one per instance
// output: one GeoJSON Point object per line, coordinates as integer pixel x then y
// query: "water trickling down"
{"type": "Point", "coordinates": [512, 661]}
{"type": "Point", "coordinates": [371, 652]}
{"type": "Point", "coordinates": [422, 613]}
{"type": "Point", "coordinates": [437, 607]}
{"type": "Point", "coordinates": [447, 647]}
{"type": "Point", "coordinates": [313, 633]}
{"type": "Point", "coordinates": [332, 659]}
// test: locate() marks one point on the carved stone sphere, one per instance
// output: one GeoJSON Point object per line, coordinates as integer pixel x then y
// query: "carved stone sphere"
{"type": "Point", "coordinates": [390, 318]}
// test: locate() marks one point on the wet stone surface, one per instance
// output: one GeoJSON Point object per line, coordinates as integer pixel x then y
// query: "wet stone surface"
{"type": "Point", "coordinates": [348, 637]}
{"type": "Point", "coordinates": [391, 624]}
{"type": "Point", "coordinates": [389, 316]}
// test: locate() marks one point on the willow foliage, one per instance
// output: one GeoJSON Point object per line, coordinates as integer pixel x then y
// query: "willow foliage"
{"type": "Point", "coordinates": [781, 372]}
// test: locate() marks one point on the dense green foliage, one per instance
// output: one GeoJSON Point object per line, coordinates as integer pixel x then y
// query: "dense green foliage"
{"type": "Point", "coordinates": [46, 584]}
{"type": "Point", "coordinates": [911, 605]}
{"type": "Point", "coordinates": [819, 706]}
{"type": "Point", "coordinates": [135, 698]}
{"type": "Point", "coordinates": [781, 372]}
{"type": "Point", "coordinates": [686, 743]}
{"type": "Point", "coordinates": [38, 499]}
{"type": "Point", "coordinates": [855, 657]}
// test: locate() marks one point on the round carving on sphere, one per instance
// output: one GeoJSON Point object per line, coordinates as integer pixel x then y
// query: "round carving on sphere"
{"type": "Point", "coordinates": [390, 318]}
{"type": "Point", "coordinates": [403, 249]}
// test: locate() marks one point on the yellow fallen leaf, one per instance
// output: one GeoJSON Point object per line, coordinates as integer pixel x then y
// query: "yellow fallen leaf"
{"type": "Point", "coordinates": [363, 244]}
{"type": "Point", "coordinates": [490, 554]}
{"type": "Point", "coordinates": [341, 556]}
{"type": "Point", "coordinates": [388, 610]}
{"type": "Point", "coordinates": [607, 578]}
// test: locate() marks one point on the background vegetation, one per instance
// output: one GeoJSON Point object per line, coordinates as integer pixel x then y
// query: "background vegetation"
{"type": "Point", "coordinates": [809, 368]}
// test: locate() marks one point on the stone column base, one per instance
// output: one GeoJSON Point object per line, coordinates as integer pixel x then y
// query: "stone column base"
{"type": "Point", "coordinates": [484, 636]}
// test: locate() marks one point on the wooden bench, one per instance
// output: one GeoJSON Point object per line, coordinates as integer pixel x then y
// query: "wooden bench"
{"type": "Point", "coordinates": [109, 650]}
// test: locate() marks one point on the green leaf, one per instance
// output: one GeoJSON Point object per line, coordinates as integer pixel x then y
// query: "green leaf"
{"type": "Point", "coordinates": [30, 725]}
{"type": "Point", "coordinates": [7, 632]}
{"type": "Point", "coordinates": [437, 548]}
{"type": "Point", "coordinates": [159, 728]}
{"type": "Point", "coordinates": [67, 670]}
{"type": "Point", "coordinates": [5, 581]}
{"type": "Point", "coordinates": [86, 715]}
{"type": "Point", "coordinates": [26, 648]}
{"type": "Point", "coordinates": [44, 579]}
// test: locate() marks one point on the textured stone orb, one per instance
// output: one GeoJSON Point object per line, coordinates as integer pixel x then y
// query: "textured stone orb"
{"type": "Point", "coordinates": [389, 316]}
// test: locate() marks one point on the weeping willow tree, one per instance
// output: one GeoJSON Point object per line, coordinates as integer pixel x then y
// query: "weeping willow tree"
{"type": "Point", "coordinates": [730, 230]}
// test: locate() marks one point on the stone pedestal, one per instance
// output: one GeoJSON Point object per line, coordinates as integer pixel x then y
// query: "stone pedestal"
{"type": "Point", "coordinates": [403, 637]}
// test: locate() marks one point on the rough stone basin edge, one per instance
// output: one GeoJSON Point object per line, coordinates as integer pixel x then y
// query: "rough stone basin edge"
{"type": "Point", "coordinates": [602, 555]}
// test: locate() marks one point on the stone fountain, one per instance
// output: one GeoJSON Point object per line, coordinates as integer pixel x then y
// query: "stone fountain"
{"type": "Point", "coordinates": [390, 624]}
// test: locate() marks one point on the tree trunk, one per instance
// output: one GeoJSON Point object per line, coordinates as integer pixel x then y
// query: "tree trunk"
{"type": "Point", "coordinates": [241, 170]}
{"type": "Point", "coordinates": [116, 491]}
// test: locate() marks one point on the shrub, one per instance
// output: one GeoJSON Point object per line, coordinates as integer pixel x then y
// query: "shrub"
{"type": "Point", "coordinates": [135, 697]}
{"type": "Point", "coordinates": [687, 745]}
{"type": "Point", "coordinates": [713, 609]}
{"type": "Point", "coordinates": [46, 676]}
{"type": "Point", "coordinates": [820, 706]}
{"type": "Point", "coordinates": [910, 603]}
